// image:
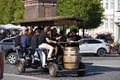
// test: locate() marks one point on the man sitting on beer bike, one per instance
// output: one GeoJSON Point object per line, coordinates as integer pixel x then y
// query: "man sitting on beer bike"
{"type": "Point", "coordinates": [73, 38]}
{"type": "Point", "coordinates": [44, 41]}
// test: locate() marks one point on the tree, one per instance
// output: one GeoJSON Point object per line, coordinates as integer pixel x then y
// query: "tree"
{"type": "Point", "coordinates": [10, 10]}
{"type": "Point", "coordinates": [2, 8]}
{"type": "Point", "coordinates": [89, 9]}
{"type": "Point", "coordinates": [19, 10]}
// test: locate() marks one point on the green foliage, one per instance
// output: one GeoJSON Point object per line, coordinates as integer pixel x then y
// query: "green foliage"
{"type": "Point", "coordinates": [10, 10]}
{"type": "Point", "coordinates": [2, 8]}
{"type": "Point", "coordinates": [74, 28]}
{"type": "Point", "coordinates": [89, 9]}
{"type": "Point", "coordinates": [19, 10]}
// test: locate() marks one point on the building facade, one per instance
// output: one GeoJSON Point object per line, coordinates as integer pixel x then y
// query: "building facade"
{"type": "Point", "coordinates": [35, 9]}
{"type": "Point", "coordinates": [111, 23]}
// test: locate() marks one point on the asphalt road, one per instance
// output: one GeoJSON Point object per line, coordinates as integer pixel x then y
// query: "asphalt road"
{"type": "Point", "coordinates": [98, 68]}
{"type": "Point", "coordinates": [20, 77]}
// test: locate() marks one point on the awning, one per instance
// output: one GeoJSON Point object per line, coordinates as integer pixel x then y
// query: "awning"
{"type": "Point", "coordinates": [118, 23]}
{"type": "Point", "coordinates": [51, 21]}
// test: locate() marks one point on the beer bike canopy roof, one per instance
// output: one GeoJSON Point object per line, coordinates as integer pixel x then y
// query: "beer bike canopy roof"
{"type": "Point", "coordinates": [51, 21]}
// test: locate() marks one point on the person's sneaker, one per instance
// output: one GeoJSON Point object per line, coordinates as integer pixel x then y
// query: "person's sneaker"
{"type": "Point", "coordinates": [44, 66]}
{"type": "Point", "coordinates": [49, 58]}
{"type": "Point", "coordinates": [37, 59]}
{"type": "Point", "coordinates": [27, 57]}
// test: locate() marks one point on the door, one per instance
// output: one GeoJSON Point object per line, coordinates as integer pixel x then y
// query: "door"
{"type": "Point", "coordinates": [83, 46]}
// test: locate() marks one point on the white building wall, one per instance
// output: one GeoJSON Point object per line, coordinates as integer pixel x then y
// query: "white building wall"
{"type": "Point", "coordinates": [111, 16]}
{"type": "Point", "coordinates": [116, 19]}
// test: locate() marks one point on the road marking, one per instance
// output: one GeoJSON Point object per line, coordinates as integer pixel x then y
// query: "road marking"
{"type": "Point", "coordinates": [29, 77]}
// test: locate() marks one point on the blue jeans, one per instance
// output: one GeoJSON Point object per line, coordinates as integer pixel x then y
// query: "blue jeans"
{"type": "Point", "coordinates": [40, 54]}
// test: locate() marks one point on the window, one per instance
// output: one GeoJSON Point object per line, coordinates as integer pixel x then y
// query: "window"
{"type": "Point", "coordinates": [83, 42]}
{"type": "Point", "coordinates": [93, 41]}
{"type": "Point", "coordinates": [47, 12]}
{"type": "Point", "coordinates": [106, 6]}
{"type": "Point", "coordinates": [106, 23]}
{"type": "Point", "coordinates": [111, 5]}
{"type": "Point", "coordinates": [111, 24]}
{"type": "Point", "coordinates": [8, 40]}
{"type": "Point", "coordinates": [118, 4]}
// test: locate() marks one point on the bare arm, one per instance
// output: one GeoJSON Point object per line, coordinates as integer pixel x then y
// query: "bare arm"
{"type": "Point", "coordinates": [50, 41]}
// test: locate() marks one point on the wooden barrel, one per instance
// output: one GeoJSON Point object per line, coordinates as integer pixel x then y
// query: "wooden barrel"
{"type": "Point", "coordinates": [71, 58]}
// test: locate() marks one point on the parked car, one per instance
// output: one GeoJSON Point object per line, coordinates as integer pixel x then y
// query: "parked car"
{"type": "Point", "coordinates": [9, 49]}
{"type": "Point", "coordinates": [96, 46]}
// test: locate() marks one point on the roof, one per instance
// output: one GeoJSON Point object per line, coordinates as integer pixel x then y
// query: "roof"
{"type": "Point", "coordinates": [48, 1]}
{"type": "Point", "coordinates": [44, 1]}
{"type": "Point", "coordinates": [51, 21]}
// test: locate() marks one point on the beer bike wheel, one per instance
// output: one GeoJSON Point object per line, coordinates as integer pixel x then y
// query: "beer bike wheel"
{"type": "Point", "coordinates": [21, 66]}
{"type": "Point", "coordinates": [53, 70]}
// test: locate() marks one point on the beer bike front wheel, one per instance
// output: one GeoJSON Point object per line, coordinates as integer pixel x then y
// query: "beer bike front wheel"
{"type": "Point", "coordinates": [21, 66]}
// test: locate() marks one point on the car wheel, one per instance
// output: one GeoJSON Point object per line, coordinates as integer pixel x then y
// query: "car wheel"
{"type": "Point", "coordinates": [12, 59]}
{"type": "Point", "coordinates": [101, 52]}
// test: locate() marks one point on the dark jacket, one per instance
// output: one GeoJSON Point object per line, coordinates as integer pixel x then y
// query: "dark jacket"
{"type": "Point", "coordinates": [20, 42]}
{"type": "Point", "coordinates": [17, 41]}
{"type": "Point", "coordinates": [34, 41]}
{"type": "Point", "coordinates": [54, 36]}
{"type": "Point", "coordinates": [29, 40]}
{"type": "Point", "coordinates": [42, 37]}
{"type": "Point", "coordinates": [23, 41]}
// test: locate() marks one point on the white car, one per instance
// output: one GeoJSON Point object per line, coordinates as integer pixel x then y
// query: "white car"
{"type": "Point", "coordinates": [96, 46]}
